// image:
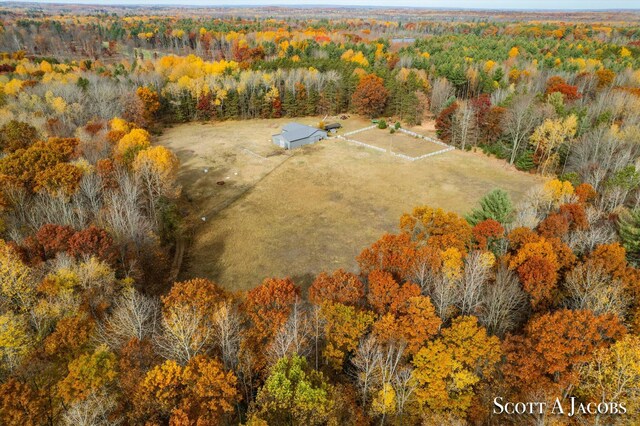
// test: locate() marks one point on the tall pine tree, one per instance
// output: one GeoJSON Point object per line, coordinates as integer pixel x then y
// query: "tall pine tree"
{"type": "Point", "coordinates": [495, 205]}
{"type": "Point", "coordinates": [629, 230]}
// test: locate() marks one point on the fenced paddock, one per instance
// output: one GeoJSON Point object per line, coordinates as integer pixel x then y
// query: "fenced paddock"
{"type": "Point", "coordinates": [404, 144]}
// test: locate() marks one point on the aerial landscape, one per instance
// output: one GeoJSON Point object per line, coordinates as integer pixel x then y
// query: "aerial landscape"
{"type": "Point", "coordinates": [299, 214]}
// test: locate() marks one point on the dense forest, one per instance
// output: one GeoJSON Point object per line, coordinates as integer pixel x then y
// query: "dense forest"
{"type": "Point", "coordinates": [531, 301]}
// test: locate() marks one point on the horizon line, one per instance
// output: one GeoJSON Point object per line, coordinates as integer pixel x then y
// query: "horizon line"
{"type": "Point", "coordinates": [308, 6]}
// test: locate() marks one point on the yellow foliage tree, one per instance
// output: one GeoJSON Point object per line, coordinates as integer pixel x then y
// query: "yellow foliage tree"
{"type": "Point", "coordinates": [45, 66]}
{"type": "Point", "coordinates": [13, 87]}
{"type": "Point", "coordinates": [384, 402]}
{"type": "Point", "coordinates": [549, 136]}
{"type": "Point", "coordinates": [132, 143]}
{"type": "Point", "coordinates": [120, 125]}
{"type": "Point", "coordinates": [158, 160]}
{"type": "Point", "coordinates": [344, 326]}
{"type": "Point", "coordinates": [87, 374]}
{"type": "Point", "coordinates": [614, 375]}
{"type": "Point", "coordinates": [449, 368]}
{"type": "Point", "coordinates": [356, 57]}
{"type": "Point", "coordinates": [557, 192]}
{"type": "Point", "coordinates": [16, 282]}
{"type": "Point", "coordinates": [14, 340]}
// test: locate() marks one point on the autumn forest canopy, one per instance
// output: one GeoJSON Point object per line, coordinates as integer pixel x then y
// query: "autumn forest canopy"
{"type": "Point", "coordinates": [534, 300]}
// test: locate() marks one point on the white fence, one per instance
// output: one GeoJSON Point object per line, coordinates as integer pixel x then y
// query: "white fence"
{"type": "Point", "coordinates": [364, 129]}
{"type": "Point", "coordinates": [366, 145]}
{"type": "Point", "coordinates": [403, 156]}
{"type": "Point", "coordinates": [427, 138]}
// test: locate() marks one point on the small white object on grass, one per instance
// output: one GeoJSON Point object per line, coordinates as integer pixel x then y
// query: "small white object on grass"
{"type": "Point", "coordinates": [236, 173]}
{"type": "Point", "coordinates": [206, 170]}
{"type": "Point", "coordinates": [227, 177]}
{"type": "Point", "coordinates": [204, 218]}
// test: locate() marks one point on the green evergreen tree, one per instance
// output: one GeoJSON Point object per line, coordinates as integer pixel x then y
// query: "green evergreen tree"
{"type": "Point", "coordinates": [289, 104]}
{"type": "Point", "coordinates": [629, 230]}
{"type": "Point", "coordinates": [494, 205]}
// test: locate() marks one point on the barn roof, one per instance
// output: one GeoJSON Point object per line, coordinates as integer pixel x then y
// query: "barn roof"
{"type": "Point", "coordinates": [293, 131]}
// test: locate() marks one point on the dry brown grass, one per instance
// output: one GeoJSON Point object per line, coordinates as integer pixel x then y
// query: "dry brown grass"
{"type": "Point", "coordinates": [300, 212]}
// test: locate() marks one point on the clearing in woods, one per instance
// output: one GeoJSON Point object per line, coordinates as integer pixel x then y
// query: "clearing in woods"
{"type": "Point", "coordinates": [296, 213]}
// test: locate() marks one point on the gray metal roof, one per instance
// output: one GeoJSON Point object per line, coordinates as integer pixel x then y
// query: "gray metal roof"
{"type": "Point", "coordinates": [294, 132]}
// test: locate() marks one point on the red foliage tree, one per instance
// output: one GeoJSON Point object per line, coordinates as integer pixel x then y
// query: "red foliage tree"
{"type": "Point", "coordinates": [205, 105]}
{"type": "Point", "coordinates": [576, 215]}
{"type": "Point", "coordinates": [481, 106]}
{"type": "Point", "coordinates": [444, 122]}
{"type": "Point", "coordinates": [558, 84]}
{"type": "Point", "coordinates": [554, 225]}
{"type": "Point", "coordinates": [107, 171]}
{"type": "Point", "coordinates": [54, 238]}
{"type": "Point", "coordinates": [92, 241]}
{"type": "Point", "coordinates": [492, 128]}
{"type": "Point", "coordinates": [487, 232]}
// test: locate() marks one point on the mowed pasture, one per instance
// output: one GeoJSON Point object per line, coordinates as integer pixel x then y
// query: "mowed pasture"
{"type": "Point", "coordinates": [296, 213]}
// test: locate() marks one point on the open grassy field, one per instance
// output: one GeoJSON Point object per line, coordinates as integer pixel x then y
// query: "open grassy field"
{"type": "Point", "coordinates": [296, 213]}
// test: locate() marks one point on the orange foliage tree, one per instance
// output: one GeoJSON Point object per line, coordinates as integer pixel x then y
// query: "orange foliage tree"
{"type": "Point", "coordinates": [22, 404]}
{"type": "Point", "coordinates": [339, 287]}
{"type": "Point", "coordinates": [553, 346]}
{"type": "Point", "coordinates": [487, 233]}
{"type": "Point", "coordinates": [268, 307]}
{"type": "Point", "coordinates": [150, 100]}
{"type": "Point", "coordinates": [537, 266]}
{"type": "Point", "coordinates": [415, 322]}
{"type": "Point", "coordinates": [391, 253]}
{"type": "Point", "coordinates": [554, 225]}
{"type": "Point", "coordinates": [386, 295]}
{"type": "Point", "coordinates": [25, 164]}
{"type": "Point", "coordinates": [62, 178]}
{"type": "Point", "coordinates": [439, 229]}
{"type": "Point", "coordinates": [199, 393]}
{"type": "Point", "coordinates": [370, 96]}
{"type": "Point", "coordinates": [558, 84]}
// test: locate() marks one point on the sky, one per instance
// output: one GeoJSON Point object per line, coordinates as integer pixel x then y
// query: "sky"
{"type": "Point", "coordinates": [470, 4]}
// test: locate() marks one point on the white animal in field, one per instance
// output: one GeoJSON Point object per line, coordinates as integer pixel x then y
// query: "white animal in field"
{"type": "Point", "coordinates": [204, 218]}
{"type": "Point", "coordinates": [206, 170]}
